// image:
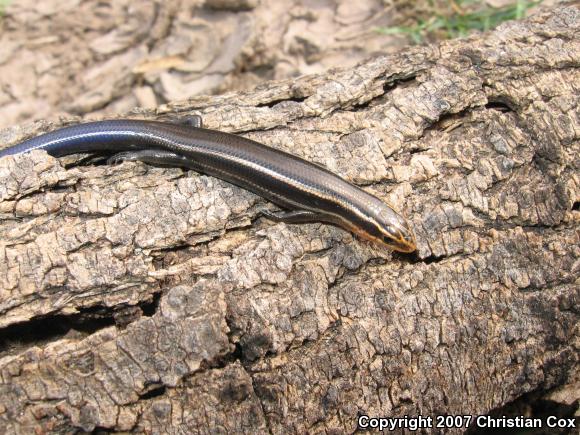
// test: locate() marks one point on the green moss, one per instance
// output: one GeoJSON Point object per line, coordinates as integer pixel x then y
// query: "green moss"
{"type": "Point", "coordinates": [3, 5]}
{"type": "Point", "coordinates": [465, 17]}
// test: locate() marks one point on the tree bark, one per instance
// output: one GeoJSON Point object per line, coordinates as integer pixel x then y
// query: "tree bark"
{"type": "Point", "coordinates": [145, 299]}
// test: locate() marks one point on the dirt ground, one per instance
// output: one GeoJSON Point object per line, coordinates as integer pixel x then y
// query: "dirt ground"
{"type": "Point", "coordinates": [100, 58]}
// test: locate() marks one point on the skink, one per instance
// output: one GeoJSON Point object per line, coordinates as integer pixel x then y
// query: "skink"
{"type": "Point", "coordinates": [308, 192]}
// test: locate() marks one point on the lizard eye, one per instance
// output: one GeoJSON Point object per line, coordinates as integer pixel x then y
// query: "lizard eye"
{"type": "Point", "coordinates": [390, 235]}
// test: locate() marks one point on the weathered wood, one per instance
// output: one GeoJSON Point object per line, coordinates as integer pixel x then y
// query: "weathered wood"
{"type": "Point", "coordinates": [231, 323]}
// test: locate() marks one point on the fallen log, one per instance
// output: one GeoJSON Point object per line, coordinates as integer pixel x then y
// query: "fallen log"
{"type": "Point", "coordinates": [135, 298]}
